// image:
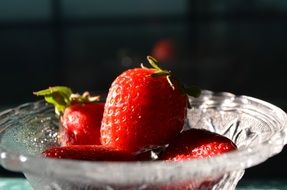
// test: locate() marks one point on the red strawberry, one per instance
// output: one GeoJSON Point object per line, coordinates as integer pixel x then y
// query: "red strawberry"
{"type": "Point", "coordinates": [88, 152]}
{"type": "Point", "coordinates": [193, 144]}
{"type": "Point", "coordinates": [80, 116]}
{"type": "Point", "coordinates": [197, 143]}
{"type": "Point", "coordinates": [145, 108]}
{"type": "Point", "coordinates": [81, 124]}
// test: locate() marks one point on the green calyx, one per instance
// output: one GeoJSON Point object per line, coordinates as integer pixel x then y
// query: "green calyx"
{"type": "Point", "coordinates": [158, 70]}
{"type": "Point", "coordinates": [193, 91]}
{"type": "Point", "coordinates": [62, 97]}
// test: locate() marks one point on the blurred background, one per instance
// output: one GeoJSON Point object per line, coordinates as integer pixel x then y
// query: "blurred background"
{"type": "Point", "coordinates": [237, 46]}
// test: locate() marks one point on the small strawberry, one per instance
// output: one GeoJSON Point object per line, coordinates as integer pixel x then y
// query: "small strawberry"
{"type": "Point", "coordinates": [145, 108]}
{"type": "Point", "coordinates": [80, 115]}
{"type": "Point", "coordinates": [197, 143]}
{"type": "Point", "coordinates": [88, 152]}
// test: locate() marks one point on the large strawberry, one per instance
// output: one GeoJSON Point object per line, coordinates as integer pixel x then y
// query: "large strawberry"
{"type": "Point", "coordinates": [80, 115]}
{"type": "Point", "coordinates": [88, 152]}
{"type": "Point", "coordinates": [145, 108]}
{"type": "Point", "coordinates": [197, 143]}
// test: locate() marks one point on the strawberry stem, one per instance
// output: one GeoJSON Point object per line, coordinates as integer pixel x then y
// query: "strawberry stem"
{"type": "Point", "coordinates": [169, 80]}
{"type": "Point", "coordinates": [153, 62]}
{"type": "Point", "coordinates": [159, 71]}
{"type": "Point", "coordinates": [191, 91]}
{"type": "Point", "coordinates": [62, 97]}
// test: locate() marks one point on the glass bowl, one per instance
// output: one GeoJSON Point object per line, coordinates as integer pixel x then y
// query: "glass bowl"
{"type": "Point", "coordinates": [257, 127]}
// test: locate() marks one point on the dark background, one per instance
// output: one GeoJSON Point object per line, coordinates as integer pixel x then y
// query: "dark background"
{"type": "Point", "coordinates": [237, 46]}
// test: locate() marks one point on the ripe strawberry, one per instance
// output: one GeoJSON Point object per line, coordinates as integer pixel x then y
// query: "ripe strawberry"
{"type": "Point", "coordinates": [88, 152]}
{"type": "Point", "coordinates": [197, 143]}
{"type": "Point", "coordinates": [145, 108]}
{"type": "Point", "coordinates": [81, 124]}
{"type": "Point", "coordinates": [193, 144]}
{"type": "Point", "coordinates": [80, 116]}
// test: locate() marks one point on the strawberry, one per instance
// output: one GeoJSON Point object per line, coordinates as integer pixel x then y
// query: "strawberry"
{"type": "Point", "coordinates": [80, 115]}
{"type": "Point", "coordinates": [145, 108]}
{"type": "Point", "coordinates": [88, 152]}
{"type": "Point", "coordinates": [81, 124]}
{"type": "Point", "coordinates": [197, 143]}
{"type": "Point", "coordinates": [194, 144]}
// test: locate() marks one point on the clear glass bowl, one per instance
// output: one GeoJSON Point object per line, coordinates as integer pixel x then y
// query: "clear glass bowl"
{"type": "Point", "coordinates": [257, 127]}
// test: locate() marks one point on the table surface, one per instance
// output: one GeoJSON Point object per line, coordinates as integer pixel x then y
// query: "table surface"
{"type": "Point", "coordinates": [22, 184]}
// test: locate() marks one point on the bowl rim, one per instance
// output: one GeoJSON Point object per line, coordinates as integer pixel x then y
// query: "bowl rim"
{"type": "Point", "coordinates": [149, 171]}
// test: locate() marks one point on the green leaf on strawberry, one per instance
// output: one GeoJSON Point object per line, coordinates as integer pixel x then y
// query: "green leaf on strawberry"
{"type": "Point", "coordinates": [62, 97]}
{"type": "Point", "coordinates": [190, 90]}
{"type": "Point", "coordinates": [59, 96]}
